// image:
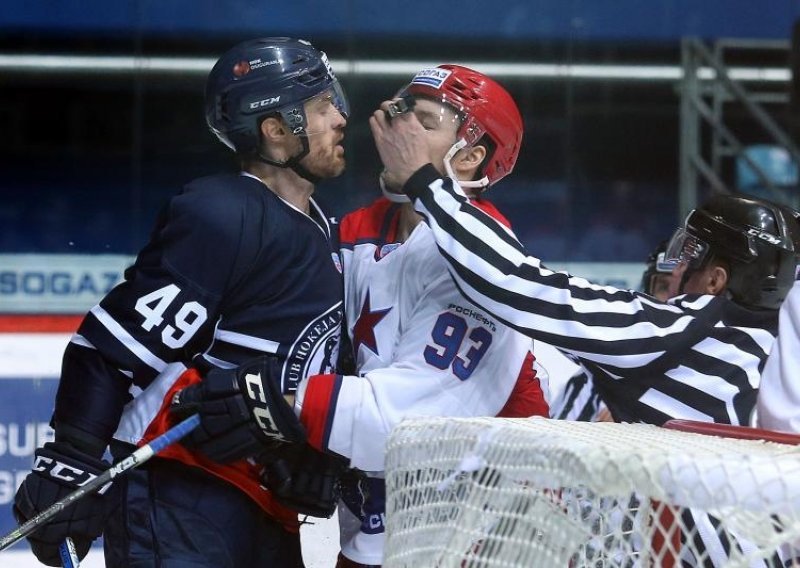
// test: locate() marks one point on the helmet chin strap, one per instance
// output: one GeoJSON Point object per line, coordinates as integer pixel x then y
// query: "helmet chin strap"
{"type": "Point", "coordinates": [293, 163]}
{"type": "Point", "coordinates": [481, 184]}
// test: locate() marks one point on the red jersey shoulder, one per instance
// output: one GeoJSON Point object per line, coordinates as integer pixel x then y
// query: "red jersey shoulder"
{"type": "Point", "coordinates": [376, 222]}
{"type": "Point", "coordinates": [489, 208]}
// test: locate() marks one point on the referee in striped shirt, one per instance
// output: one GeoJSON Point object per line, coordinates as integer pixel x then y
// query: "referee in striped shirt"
{"type": "Point", "coordinates": [697, 357]}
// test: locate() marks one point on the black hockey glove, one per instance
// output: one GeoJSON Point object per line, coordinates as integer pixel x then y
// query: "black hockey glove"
{"type": "Point", "coordinates": [58, 470]}
{"type": "Point", "coordinates": [304, 479]}
{"type": "Point", "coordinates": [242, 411]}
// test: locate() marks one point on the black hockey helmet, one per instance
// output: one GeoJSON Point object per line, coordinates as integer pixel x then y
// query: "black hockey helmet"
{"type": "Point", "coordinates": [266, 77]}
{"type": "Point", "coordinates": [758, 239]}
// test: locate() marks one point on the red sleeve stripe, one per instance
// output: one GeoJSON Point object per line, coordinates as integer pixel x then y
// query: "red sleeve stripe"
{"type": "Point", "coordinates": [319, 403]}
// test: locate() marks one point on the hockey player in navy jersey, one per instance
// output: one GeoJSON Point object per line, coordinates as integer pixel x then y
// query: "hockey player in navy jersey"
{"type": "Point", "coordinates": [238, 265]}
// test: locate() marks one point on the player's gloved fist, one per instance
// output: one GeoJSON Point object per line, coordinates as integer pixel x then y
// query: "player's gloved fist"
{"type": "Point", "coordinates": [58, 470]}
{"type": "Point", "coordinates": [304, 479]}
{"type": "Point", "coordinates": [242, 411]}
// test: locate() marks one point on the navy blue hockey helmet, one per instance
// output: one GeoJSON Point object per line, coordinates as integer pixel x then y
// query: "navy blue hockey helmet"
{"type": "Point", "coordinates": [266, 77]}
{"type": "Point", "coordinates": [759, 240]}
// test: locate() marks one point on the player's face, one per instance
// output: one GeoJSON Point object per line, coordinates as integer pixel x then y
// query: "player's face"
{"type": "Point", "coordinates": [325, 132]}
{"type": "Point", "coordinates": [661, 286]}
{"type": "Point", "coordinates": [696, 283]}
{"type": "Point", "coordinates": [441, 124]}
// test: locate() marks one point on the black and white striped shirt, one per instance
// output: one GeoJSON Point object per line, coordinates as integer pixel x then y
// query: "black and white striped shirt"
{"type": "Point", "coordinates": [696, 357]}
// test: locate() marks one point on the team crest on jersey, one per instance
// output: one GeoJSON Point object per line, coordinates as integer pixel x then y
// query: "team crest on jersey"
{"type": "Point", "coordinates": [386, 249]}
{"type": "Point", "coordinates": [337, 262]}
{"type": "Point", "coordinates": [316, 348]}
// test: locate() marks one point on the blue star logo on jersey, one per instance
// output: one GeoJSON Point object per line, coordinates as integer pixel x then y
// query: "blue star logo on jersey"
{"type": "Point", "coordinates": [364, 330]}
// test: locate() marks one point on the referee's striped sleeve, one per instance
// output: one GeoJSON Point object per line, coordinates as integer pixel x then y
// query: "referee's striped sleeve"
{"type": "Point", "coordinates": [618, 329]}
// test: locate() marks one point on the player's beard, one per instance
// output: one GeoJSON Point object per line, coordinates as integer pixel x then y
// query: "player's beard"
{"type": "Point", "coordinates": [325, 160]}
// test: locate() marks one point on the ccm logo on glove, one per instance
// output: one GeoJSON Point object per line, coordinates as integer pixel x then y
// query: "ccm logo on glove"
{"type": "Point", "coordinates": [255, 389]}
{"type": "Point", "coordinates": [65, 472]}
{"type": "Point", "coordinates": [242, 411]}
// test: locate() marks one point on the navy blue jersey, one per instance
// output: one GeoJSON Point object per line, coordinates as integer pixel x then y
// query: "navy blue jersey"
{"type": "Point", "coordinates": [231, 272]}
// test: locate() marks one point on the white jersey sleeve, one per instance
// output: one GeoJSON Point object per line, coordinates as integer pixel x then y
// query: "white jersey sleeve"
{"type": "Point", "coordinates": [779, 394]}
{"type": "Point", "coordinates": [421, 350]}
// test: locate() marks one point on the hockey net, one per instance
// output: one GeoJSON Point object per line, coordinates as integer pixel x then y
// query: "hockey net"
{"type": "Point", "coordinates": [536, 492]}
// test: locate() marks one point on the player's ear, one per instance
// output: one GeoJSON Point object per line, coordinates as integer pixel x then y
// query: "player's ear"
{"type": "Point", "coordinates": [273, 129]}
{"type": "Point", "coordinates": [467, 161]}
{"type": "Point", "coordinates": [717, 279]}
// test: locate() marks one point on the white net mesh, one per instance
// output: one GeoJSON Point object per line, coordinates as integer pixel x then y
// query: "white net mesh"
{"type": "Point", "coordinates": [537, 492]}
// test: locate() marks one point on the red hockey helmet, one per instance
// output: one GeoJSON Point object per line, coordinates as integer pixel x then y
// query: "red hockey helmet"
{"type": "Point", "coordinates": [485, 108]}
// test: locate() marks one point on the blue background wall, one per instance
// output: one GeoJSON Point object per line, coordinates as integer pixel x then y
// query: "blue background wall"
{"type": "Point", "coordinates": [655, 20]}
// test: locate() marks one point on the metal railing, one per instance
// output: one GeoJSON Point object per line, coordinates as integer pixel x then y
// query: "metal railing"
{"type": "Point", "coordinates": [707, 138]}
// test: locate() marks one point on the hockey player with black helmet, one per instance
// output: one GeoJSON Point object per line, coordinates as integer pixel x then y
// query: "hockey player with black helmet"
{"type": "Point", "coordinates": [241, 274]}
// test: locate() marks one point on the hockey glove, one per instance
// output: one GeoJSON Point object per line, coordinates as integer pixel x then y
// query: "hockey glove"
{"type": "Point", "coordinates": [242, 411]}
{"type": "Point", "coordinates": [58, 470]}
{"type": "Point", "coordinates": [304, 479]}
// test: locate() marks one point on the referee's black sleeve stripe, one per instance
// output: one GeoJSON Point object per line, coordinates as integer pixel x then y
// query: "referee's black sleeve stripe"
{"type": "Point", "coordinates": [709, 365]}
{"type": "Point", "coordinates": [599, 348]}
{"type": "Point", "coordinates": [419, 187]}
{"type": "Point", "coordinates": [602, 317]}
{"type": "Point", "coordinates": [487, 252]}
{"type": "Point", "coordinates": [742, 341]}
{"type": "Point", "coordinates": [480, 246]}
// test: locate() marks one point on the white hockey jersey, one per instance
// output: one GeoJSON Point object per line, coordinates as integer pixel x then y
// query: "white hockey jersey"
{"type": "Point", "coordinates": [421, 349]}
{"type": "Point", "coordinates": [779, 392]}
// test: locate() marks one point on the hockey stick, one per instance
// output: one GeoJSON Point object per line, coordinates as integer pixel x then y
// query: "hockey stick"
{"type": "Point", "coordinates": [136, 458]}
{"type": "Point", "coordinates": [69, 557]}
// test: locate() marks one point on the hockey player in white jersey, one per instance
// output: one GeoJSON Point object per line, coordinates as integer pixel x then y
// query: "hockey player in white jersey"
{"type": "Point", "coordinates": [420, 347]}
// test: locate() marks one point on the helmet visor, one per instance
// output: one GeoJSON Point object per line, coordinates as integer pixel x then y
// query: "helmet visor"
{"type": "Point", "coordinates": [325, 104]}
{"type": "Point", "coordinates": [437, 113]}
{"type": "Point", "coordinates": [686, 248]}
{"type": "Point", "coordinates": [663, 265]}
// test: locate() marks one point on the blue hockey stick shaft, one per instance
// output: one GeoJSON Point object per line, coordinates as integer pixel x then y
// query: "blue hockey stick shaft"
{"type": "Point", "coordinates": [135, 459]}
{"type": "Point", "coordinates": [69, 557]}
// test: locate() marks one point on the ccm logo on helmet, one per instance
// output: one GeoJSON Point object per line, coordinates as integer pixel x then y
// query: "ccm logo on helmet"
{"type": "Point", "coordinates": [771, 239]}
{"type": "Point", "coordinates": [265, 103]}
